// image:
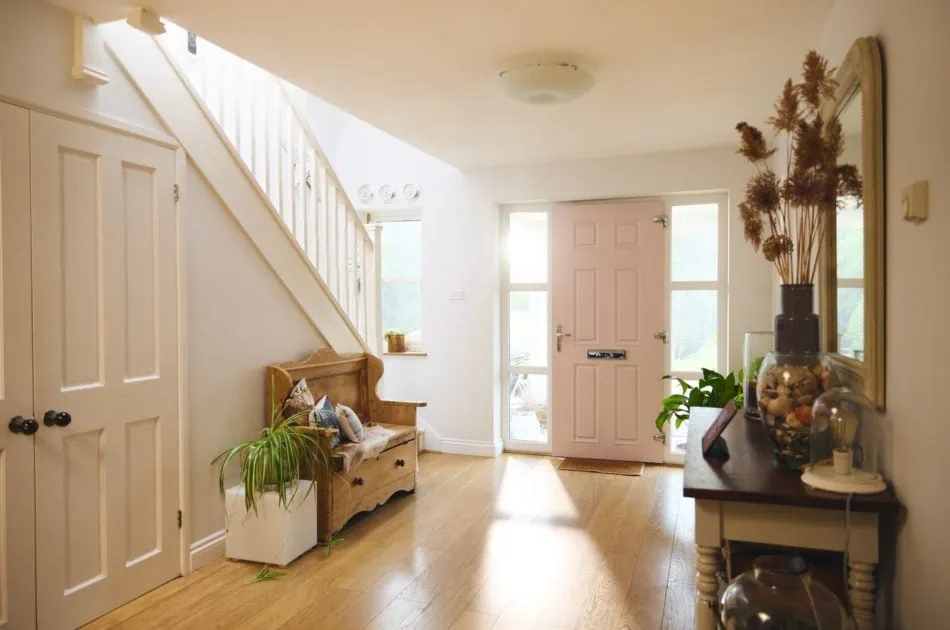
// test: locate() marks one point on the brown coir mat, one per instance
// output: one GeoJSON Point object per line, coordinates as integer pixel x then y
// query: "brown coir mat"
{"type": "Point", "coordinates": [630, 469]}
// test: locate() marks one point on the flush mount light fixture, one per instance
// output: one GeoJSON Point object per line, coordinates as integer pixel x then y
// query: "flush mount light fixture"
{"type": "Point", "coordinates": [546, 83]}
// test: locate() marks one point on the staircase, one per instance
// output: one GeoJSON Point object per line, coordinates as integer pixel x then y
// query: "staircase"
{"type": "Point", "coordinates": [256, 122]}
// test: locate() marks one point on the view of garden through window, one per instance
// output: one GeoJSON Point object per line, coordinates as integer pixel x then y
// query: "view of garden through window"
{"type": "Point", "coordinates": [402, 278]}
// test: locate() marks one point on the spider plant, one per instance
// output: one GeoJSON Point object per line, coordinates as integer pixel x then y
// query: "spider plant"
{"type": "Point", "coordinates": [284, 452]}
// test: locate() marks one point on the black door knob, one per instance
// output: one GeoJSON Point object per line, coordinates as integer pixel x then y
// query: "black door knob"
{"type": "Point", "coordinates": [358, 481]}
{"type": "Point", "coordinates": [57, 418]}
{"type": "Point", "coordinates": [26, 426]}
{"type": "Point", "coordinates": [400, 463]}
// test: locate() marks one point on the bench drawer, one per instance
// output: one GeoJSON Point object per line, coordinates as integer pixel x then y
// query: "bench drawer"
{"type": "Point", "coordinates": [350, 489]}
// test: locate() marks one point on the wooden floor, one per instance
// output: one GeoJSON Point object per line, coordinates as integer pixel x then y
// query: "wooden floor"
{"type": "Point", "coordinates": [507, 543]}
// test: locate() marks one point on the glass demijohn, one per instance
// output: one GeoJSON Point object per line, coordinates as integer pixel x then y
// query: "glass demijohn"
{"type": "Point", "coordinates": [780, 594]}
{"type": "Point", "coordinates": [845, 441]}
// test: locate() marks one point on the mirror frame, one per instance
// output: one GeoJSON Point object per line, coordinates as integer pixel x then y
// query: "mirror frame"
{"type": "Point", "coordinates": [861, 72]}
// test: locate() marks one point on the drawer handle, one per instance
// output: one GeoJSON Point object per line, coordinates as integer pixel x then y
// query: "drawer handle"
{"type": "Point", "coordinates": [400, 463]}
{"type": "Point", "coordinates": [358, 481]}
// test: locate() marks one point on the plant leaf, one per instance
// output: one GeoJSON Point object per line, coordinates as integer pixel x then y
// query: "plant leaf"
{"type": "Point", "coordinates": [266, 575]}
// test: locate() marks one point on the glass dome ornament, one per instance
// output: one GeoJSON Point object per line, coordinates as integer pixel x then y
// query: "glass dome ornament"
{"type": "Point", "coordinates": [845, 440]}
{"type": "Point", "coordinates": [780, 594]}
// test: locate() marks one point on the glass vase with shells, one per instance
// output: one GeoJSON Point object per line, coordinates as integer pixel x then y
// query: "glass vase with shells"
{"type": "Point", "coordinates": [784, 217]}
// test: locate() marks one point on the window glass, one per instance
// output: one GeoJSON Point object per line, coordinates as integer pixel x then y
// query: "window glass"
{"type": "Point", "coordinates": [401, 279]}
{"type": "Point", "coordinates": [528, 247]}
{"type": "Point", "coordinates": [528, 328]}
{"type": "Point", "coordinates": [851, 322]}
{"type": "Point", "coordinates": [694, 334]}
{"type": "Point", "coordinates": [528, 408]}
{"type": "Point", "coordinates": [695, 243]}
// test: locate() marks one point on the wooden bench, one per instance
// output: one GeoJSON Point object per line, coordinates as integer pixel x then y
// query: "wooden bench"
{"type": "Point", "coordinates": [351, 380]}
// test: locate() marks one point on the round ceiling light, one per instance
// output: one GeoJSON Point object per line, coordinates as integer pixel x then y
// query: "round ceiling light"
{"type": "Point", "coordinates": [546, 83]}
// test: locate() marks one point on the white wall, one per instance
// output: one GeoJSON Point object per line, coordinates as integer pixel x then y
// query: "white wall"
{"type": "Point", "coordinates": [460, 377]}
{"type": "Point", "coordinates": [239, 317]}
{"type": "Point", "coordinates": [36, 42]}
{"type": "Point", "coordinates": [916, 52]}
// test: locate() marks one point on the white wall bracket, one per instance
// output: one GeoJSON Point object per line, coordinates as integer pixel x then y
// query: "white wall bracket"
{"type": "Point", "coordinates": [146, 20]}
{"type": "Point", "coordinates": [88, 51]}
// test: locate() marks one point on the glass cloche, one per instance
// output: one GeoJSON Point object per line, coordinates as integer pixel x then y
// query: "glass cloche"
{"type": "Point", "coordinates": [846, 433]}
{"type": "Point", "coordinates": [780, 594]}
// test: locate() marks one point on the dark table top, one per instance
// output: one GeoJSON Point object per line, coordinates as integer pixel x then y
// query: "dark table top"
{"type": "Point", "coordinates": [751, 474]}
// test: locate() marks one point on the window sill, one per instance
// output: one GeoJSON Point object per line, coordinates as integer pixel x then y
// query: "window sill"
{"type": "Point", "coordinates": [408, 353]}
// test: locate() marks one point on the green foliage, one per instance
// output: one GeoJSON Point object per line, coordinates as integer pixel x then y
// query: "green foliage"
{"type": "Point", "coordinates": [332, 542]}
{"type": "Point", "coordinates": [713, 390]}
{"type": "Point", "coordinates": [392, 331]}
{"type": "Point", "coordinates": [266, 575]}
{"type": "Point", "coordinates": [275, 460]}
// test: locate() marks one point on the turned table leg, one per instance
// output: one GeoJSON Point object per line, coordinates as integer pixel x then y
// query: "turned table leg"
{"type": "Point", "coordinates": [707, 587]}
{"type": "Point", "coordinates": [861, 593]}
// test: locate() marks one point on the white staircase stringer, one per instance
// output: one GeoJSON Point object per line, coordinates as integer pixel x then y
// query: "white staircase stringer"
{"type": "Point", "coordinates": [183, 113]}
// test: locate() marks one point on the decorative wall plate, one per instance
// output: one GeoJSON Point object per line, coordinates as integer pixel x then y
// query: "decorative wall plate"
{"type": "Point", "coordinates": [411, 192]}
{"type": "Point", "coordinates": [386, 193]}
{"type": "Point", "coordinates": [365, 193]}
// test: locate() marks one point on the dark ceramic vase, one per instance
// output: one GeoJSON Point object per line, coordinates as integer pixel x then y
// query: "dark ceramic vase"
{"type": "Point", "coordinates": [796, 327]}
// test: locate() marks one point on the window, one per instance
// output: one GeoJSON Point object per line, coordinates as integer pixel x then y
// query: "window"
{"type": "Point", "coordinates": [697, 295]}
{"type": "Point", "coordinates": [401, 271]}
{"type": "Point", "coordinates": [526, 305]}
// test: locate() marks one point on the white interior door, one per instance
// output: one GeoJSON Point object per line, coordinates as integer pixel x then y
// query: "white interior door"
{"type": "Point", "coordinates": [106, 354]}
{"type": "Point", "coordinates": [607, 291]}
{"type": "Point", "coordinates": [17, 577]}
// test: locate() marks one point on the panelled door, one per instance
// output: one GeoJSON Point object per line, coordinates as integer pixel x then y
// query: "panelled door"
{"type": "Point", "coordinates": [105, 368]}
{"type": "Point", "coordinates": [17, 577]}
{"type": "Point", "coordinates": [608, 302]}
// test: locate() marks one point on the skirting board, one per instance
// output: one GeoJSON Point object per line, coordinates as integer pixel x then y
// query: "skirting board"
{"type": "Point", "coordinates": [471, 447]}
{"type": "Point", "coordinates": [205, 551]}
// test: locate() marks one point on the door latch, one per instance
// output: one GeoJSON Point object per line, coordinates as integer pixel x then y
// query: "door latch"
{"type": "Point", "coordinates": [662, 336]}
{"type": "Point", "coordinates": [560, 335]}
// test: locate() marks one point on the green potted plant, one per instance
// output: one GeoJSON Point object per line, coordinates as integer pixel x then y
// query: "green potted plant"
{"type": "Point", "coordinates": [272, 512]}
{"type": "Point", "coordinates": [713, 390]}
{"type": "Point", "coordinates": [395, 340]}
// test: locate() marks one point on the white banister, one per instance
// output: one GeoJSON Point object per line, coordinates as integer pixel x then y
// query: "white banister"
{"type": "Point", "coordinates": [256, 113]}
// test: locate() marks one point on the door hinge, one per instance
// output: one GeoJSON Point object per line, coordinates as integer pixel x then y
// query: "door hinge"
{"type": "Point", "coordinates": [175, 195]}
{"type": "Point", "coordinates": [179, 519]}
{"type": "Point", "coordinates": [662, 219]}
{"type": "Point", "coordinates": [662, 336]}
{"type": "Point", "coordinates": [659, 437]}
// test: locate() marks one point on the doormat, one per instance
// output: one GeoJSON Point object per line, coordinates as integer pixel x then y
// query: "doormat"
{"type": "Point", "coordinates": [630, 469]}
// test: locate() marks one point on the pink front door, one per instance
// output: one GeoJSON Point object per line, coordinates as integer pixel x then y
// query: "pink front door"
{"type": "Point", "coordinates": [607, 284]}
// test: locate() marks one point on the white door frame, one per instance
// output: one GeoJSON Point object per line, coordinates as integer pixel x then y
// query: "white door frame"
{"type": "Point", "coordinates": [721, 285]}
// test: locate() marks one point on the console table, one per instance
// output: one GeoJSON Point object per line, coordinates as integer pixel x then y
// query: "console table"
{"type": "Point", "coordinates": [750, 498]}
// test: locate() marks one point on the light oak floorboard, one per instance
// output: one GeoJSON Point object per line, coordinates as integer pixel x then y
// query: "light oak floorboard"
{"type": "Point", "coordinates": [510, 543]}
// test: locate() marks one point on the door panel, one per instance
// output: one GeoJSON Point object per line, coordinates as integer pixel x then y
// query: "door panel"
{"type": "Point", "coordinates": [17, 528]}
{"type": "Point", "coordinates": [106, 352]}
{"type": "Point", "coordinates": [608, 294]}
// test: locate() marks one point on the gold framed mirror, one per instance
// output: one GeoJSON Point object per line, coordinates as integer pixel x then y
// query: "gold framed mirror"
{"type": "Point", "coordinates": [851, 276]}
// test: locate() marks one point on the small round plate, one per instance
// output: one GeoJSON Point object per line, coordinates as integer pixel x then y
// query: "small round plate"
{"type": "Point", "coordinates": [386, 193]}
{"type": "Point", "coordinates": [411, 192]}
{"type": "Point", "coordinates": [365, 193]}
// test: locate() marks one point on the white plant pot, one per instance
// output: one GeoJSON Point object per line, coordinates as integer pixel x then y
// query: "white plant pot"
{"type": "Point", "coordinates": [274, 535]}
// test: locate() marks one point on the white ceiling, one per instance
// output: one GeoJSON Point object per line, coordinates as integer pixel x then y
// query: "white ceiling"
{"type": "Point", "coordinates": [671, 74]}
